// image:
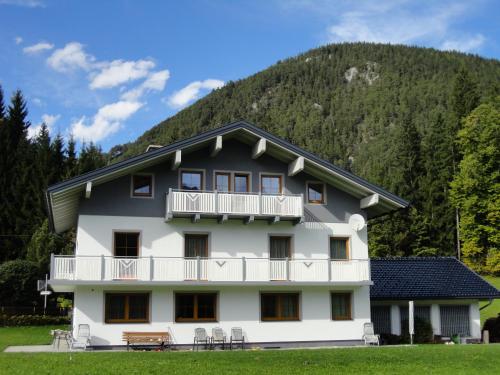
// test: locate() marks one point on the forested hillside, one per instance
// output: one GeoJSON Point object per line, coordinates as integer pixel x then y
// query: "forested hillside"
{"type": "Point", "coordinates": [388, 113]}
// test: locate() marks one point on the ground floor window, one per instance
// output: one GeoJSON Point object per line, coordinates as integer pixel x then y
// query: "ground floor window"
{"type": "Point", "coordinates": [381, 318]}
{"type": "Point", "coordinates": [419, 312]}
{"type": "Point", "coordinates": [195, 307]}
{"type": "Point", "coordinates": [279, 306]}
{"type": "Point", "coordinates": [454, 320]}
{"type": "Point", "coordinates": [127, 308]}
{"type": "Point", "coordinates": [341, 306]}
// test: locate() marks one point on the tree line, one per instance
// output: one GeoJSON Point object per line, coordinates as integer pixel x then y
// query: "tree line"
{"type": "Point", "coordinates": [28, 166]}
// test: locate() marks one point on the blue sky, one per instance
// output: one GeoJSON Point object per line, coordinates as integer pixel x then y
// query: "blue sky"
{"type": "Point", "coordinates": [109, 70]}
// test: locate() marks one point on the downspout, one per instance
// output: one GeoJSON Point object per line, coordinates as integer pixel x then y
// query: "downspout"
{"type": "Point", "coordinates": [490, 301]}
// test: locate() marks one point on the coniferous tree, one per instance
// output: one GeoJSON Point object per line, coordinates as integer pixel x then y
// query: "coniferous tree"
{"type": "Point", "coordinates": [58, 162]}
{"type": "Point", "coordinates": [71, 162]}
{"type": "Point", "coordinates": [91, 157]}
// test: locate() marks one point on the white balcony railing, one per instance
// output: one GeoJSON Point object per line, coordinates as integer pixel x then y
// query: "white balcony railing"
{"type": "Point", "coordinates": [228, 203]}
{"type": "Point", "coordinates": [102, 268]}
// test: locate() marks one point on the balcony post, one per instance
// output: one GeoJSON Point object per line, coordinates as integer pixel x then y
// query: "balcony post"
{"type": "Point", "coordinates": [244, 268]}
{"type": "Point", "coordinates": [260, 203]}
{"type": "Point", "coordinates": [151, 268]}
{"type": "Point", "coordinates": [329, 269]}
{"type": "Point", "coordinates": [287, 269]}
{"type": "Point", "coordinates": [198, 268]}
{"type": "Point", "coordinates": [103, 267]}
{"type": "Point", "coordinates": [216, 197]}
{"type": "Point", "coordinates": [52, 263]}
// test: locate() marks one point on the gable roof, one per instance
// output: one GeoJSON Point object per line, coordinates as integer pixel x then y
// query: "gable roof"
{"type": "Point", "coordinates": [63, 198]}
{"type": "Point", "coordinates": [426, 278]}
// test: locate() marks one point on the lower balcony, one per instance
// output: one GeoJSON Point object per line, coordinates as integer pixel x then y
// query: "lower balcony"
{"type": "Point", "coordinates": [164, 270]}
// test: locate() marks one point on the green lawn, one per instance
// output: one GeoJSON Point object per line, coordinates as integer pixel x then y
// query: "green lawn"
{"type": "Point", "coordinates": [428, 359]}
{"type": "Point", "coordinates": [494, 308]}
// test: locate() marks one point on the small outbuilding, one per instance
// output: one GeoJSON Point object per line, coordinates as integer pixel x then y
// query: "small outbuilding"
{"type": "Point", "coordinates": [446, 293]}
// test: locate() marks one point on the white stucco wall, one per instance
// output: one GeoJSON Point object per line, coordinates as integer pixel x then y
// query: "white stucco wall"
{"type": "Point", "coordinates": [237, 307]}
{"type": "Point", "coordinates": [230, 239]}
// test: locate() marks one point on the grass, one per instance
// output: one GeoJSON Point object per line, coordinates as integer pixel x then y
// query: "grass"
{"type": "Point", "coordinates": [442, 359]}
{"type": "Point", "coordinates": [492, 310]}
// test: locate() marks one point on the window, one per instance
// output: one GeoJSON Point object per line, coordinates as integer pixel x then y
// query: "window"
{"type": "Point", "coordinates": [271, 184]}
{"type": "Point", "coordinates": [142, 185]}
{"type": "Point", "coordinates": [316, 192]}
{"type": "Point", "coordinates": [241, 182]}
{"type": "Point", "coordinates": [127, 308]}
{"type": "Point", "coordinates": [279, 306]}
{"type": "Point", "coordinates": [191, 180]}
{"type": "Point", "coordinates": [341, 306]}
{"type": "Point", "coordinates": [223, 181]}
{"type": "Point", "coordinates": [280, 247]}
{"type": "Point", "coordinates": [454, 320]}
{"type": "Point", "coordinates": [196, 245]}
{"type": "Point", "coordinates": [339, 248]}
{"type": "Point", "coordinates": [126, 244]}
{"type": "Point", "coordinates": [193, 307]}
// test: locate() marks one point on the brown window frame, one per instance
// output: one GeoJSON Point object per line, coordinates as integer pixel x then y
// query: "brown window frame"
{"type": "Point", "coordinates": [323, 193]}
{"type": "Point", "coordinates": [348, 295]}
{"type": "Point", "coordinates": [127, 307]}
{"type": "Point", "coordinates": [347, 247]}
{"type": "Point", "coordinates": [247, 177]}
{"type": "Point", "coordinates": [193, 171]}
{"type": "Point", "coordinates": [142, 195]}
{"type": "Point", "coordinates": [280, 176]}
{"type": "Point", "coordinates": [229, 185]}
{"type": "Point", "coordinates": [279, 318]}
{"type": "Point", "coordinates": [195, 308]}
{"type": "Point", "coordinates": [289, 238]}
{"type": "Point", "coordinates": [138, 233]}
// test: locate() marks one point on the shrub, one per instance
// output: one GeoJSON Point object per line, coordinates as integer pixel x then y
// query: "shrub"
{"type": "Point", "coordinates": [493, 326]}
{"type": "Point", "coordinates": [18, 283]}
{"type": "Point", "coordinates": [423, 332]}
{"type": "Point", "coordinates": [32, 320]}
{"type": "Point", "coordinates": [390, 339]}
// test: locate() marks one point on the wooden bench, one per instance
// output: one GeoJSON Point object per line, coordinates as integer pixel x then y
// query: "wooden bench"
{"type": "Point", "coordinates": [162, 339]}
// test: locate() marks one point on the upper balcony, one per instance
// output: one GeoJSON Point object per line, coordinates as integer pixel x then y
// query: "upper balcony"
{"type": "Point", "coordinates": [229, 270]}
{"type": "Point", "coordinates": [225, 205]}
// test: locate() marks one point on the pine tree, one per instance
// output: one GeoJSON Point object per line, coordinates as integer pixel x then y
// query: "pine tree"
{"type": "Point", "coordinates": [91, 157]}
{"type": "Point", "coordinates": [71, 163]}
{"type": "Point", "coordinates": [58, 162]}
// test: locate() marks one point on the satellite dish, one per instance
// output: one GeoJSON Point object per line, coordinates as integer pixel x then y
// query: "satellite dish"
{"type": "Point", "coordinates": [357, 222]}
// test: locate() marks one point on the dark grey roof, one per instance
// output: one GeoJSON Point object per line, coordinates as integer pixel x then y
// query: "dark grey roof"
{"type": "Point", "coordinates": [426, 278]}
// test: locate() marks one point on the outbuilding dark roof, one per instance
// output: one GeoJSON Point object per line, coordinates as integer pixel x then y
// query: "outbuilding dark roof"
{"type": "Point", "coordinates": [426, 278]}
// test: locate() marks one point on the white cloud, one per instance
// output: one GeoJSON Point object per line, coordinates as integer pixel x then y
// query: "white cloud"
{"type": "Point", "coordinates": [23, 3]}
{"type": "Point", "coordinates": [18, 40]}
{"type": "Point", "coordinates": [466, 44]}
{"type": "Point", "coordinates": [71, 57]}
{"type": "Point", "coordinates": [39, 47]}
{"type": "Point", "coordinates": [48, 120]}
{"type": "Point", "coordinates": [155, 82]}
{"type": "Point", "coordinates": [119, 71]}
{"type": "Point", "coordinates": [108, 120]}
{"type": "Point", "coordinates": [430, 24]}
{"type": "Point", "coordinates": [192, 91]}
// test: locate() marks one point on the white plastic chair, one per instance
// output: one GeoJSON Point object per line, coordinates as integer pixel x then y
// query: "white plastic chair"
{"type": "Point", "coordinates": [237, 337]}
{"type": "Point", "coordinates": [200, 337]}
{"type": "Point", "coordinates": [369, 335]}
{"type": "Point", "coordinates": [82, 339]}
{"type": "Point", "coordinates": [218, 337]}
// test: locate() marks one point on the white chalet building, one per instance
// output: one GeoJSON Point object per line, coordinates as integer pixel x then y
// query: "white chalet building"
{"type": "Point", "coordinates": [231, 228]}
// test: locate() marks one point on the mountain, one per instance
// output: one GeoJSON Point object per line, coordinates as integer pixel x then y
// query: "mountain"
{"type": "Point", "coordinates": [387, 113]}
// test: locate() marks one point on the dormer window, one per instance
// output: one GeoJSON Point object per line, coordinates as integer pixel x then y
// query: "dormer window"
{"type": "Point", "coordinates": [142, 185]}
{"type": "Point", "coordinates": [316, 193]}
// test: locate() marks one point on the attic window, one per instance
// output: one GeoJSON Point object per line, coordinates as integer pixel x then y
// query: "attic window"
{"type": "Point", "coordinates": [316, 193]}
{"type": "Point", "coordinates": [142, 185]}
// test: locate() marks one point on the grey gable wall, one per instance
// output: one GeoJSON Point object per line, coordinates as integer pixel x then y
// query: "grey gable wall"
{"type": "Point", "coordinates": [114, 198]}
